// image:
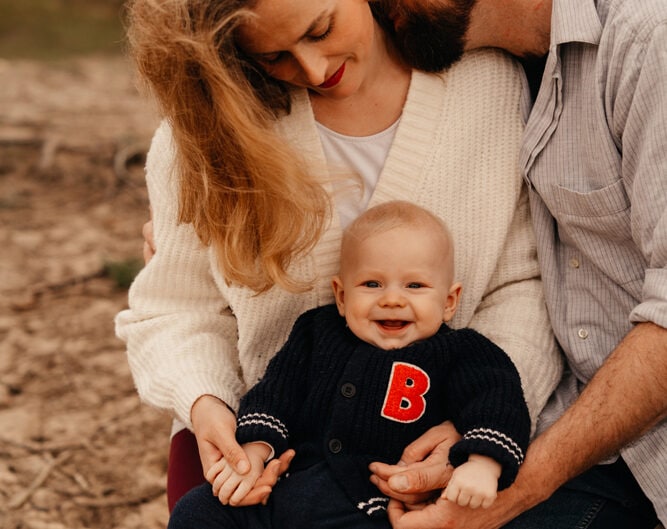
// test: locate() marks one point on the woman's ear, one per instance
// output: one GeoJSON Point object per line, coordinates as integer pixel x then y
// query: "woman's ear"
{"type": "Point", "coordinates": [339, 294]}
{"type": "Point", "coordinates": [452, 301]}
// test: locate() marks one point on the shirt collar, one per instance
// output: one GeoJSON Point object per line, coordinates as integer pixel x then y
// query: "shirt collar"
{"type": "Point", "coordinates": [575, 21]}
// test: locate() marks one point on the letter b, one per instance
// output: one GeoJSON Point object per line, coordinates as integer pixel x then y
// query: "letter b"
{"type": "Point", "coordinates": [407, 386]}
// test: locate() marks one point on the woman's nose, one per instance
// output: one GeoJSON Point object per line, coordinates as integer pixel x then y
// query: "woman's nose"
{"type": "Point", "coordinates": [313, 66]}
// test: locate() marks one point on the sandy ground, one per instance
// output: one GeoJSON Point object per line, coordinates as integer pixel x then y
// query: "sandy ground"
{"type": "Point", "coordinates": [77, 448]}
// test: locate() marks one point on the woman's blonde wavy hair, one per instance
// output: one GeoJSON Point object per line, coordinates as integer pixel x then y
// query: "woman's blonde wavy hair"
{"type": "Point", "coordinates": [243, 188]}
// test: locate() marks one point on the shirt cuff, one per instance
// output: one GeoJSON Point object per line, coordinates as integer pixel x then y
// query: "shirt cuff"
{"type": "Point", "coordinates": [653, 307]}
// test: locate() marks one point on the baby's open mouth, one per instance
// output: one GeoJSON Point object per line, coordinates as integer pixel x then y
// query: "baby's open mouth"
{"type": "Point", "coordinates": [393, 324]}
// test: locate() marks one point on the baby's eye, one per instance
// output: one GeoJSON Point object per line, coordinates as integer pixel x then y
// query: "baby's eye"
{"type": "Point", "coordinates": [371, 284]}
{"type": "Point", "coordinates": [415, 285]}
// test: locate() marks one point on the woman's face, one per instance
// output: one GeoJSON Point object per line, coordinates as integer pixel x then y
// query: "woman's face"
{"type": "Point", "coordinates": [323, 45]}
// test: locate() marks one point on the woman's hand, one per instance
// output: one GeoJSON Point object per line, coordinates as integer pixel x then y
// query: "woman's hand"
{"type": "Point", "coordinates": [253, 487]}
{"type": "Point", "coordinates": [214, 426]}
{"type": "Point", "coordinates": [264, 485]}
{"type": "Point", "coordinates": [232, 488]}
{"type": "Point", "coordinates": [149, 240]}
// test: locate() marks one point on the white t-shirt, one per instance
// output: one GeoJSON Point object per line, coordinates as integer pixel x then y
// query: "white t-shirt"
{"type": "Point", "coordinates": [355, 157]}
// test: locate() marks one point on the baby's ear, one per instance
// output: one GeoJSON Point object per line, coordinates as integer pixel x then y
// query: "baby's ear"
{"type": "Point", "coordinates": [339, 294]}
{"type": "Point", "coordinates": [452, 301]}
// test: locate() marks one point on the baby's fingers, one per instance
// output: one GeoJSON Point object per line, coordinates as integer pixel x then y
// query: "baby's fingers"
{"type": "Point", "coordinates": [241, 491]}
{"type": "Point", "coordinates": [451, 492]}
{"type": "Point", "coordinates": [225, 483]}
{"type": "Point", "coordinates": [215, 469]}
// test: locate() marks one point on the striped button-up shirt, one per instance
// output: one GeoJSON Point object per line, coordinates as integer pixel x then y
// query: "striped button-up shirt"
{"type": "Point", "coordinates": [595, 159]}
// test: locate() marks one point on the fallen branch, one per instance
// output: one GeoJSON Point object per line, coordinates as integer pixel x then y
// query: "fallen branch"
{"type": "Point", "coordinates": [40, 448]}
{"type": "Point", "coordinates": [19, 499]}
{"type": "Point", "coordinates": [28, 299]}
{"type": "Point", "coordinates": [116, 501]}
{"type": "Point", "coordinates": [78, 479]}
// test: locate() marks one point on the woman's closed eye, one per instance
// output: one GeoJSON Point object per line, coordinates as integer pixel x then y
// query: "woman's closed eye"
{"type": "Point", "coordinates": [315, 36]}
{"type": "Point", "coordinates": [323, 34]}
{"type": "Point", "coordinates": [271, 58]}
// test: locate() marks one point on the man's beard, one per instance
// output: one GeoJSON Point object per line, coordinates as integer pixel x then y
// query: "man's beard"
{"type": "Point", "coordinates": [430, 39]}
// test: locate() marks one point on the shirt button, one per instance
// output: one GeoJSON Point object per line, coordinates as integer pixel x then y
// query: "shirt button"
{"type": "Point", "coordinates": [335, 446]}
{"type": "Point", "coordinates": [583, 334]}
{"type": "Point", "coordinates": [348, 390]}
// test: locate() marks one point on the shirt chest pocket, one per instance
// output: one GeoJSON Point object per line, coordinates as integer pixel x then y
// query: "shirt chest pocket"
{"type": "Point", "coordinates": [589, 215]}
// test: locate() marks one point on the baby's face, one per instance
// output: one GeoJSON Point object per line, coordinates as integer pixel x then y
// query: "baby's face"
{"type": "Point", "coordinates": [396, 288]}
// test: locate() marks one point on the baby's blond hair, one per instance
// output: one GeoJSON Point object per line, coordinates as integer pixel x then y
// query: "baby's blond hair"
{"type": "Point", "coordinates": [391, 215]}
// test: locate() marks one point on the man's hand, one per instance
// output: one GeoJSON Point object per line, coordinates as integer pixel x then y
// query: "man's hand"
{"type": "Point", "coordinates": [445, 514]}
{"type": "Point", "coordinates": [424, 467]}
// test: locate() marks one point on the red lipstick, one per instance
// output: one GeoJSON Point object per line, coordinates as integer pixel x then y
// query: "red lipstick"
{"type": "Point", "coordinates": [334, 79]}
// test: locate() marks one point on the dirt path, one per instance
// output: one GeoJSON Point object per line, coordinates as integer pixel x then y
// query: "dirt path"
{"type": "Point", "coordinates": [77, 449]}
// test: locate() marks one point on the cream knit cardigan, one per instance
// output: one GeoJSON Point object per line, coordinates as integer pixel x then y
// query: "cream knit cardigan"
{"type": "Point", "coordinates": [455, 152]}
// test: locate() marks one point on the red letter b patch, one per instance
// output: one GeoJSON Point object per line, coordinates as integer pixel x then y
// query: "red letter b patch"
{"type": "Point", "coordinates": [405, 401]}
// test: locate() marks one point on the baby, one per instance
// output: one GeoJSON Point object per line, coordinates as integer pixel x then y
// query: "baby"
{"type": "Point", "coordinates": [359, 380]}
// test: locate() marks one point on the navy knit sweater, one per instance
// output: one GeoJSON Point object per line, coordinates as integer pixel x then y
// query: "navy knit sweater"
{"type": "Point", "coordinates": [331, 396]}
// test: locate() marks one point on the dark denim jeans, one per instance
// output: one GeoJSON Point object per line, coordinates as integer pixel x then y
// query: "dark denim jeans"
{"type": "Point", "coordinates": [307, 499]}
{"type": "Point", "coordinates": [605, 497]}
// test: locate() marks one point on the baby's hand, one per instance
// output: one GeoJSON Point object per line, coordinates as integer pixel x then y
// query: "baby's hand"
{"type": "Point", "coordinates": [475, 483]}
{"type": "Point", "coordinates": [231, 487]}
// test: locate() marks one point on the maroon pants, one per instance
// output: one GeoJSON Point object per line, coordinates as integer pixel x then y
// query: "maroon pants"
{"type": "Point", "coordinates": [184, 471]}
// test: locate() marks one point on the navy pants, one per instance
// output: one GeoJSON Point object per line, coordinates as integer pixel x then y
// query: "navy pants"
{"type": "Point", "coordinates": [605, 497]}
{"type": "Point", "coordinates": [306, 499]}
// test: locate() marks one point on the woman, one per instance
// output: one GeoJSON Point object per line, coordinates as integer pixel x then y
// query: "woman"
{"type": "Point", "coordinates": [268, 106]}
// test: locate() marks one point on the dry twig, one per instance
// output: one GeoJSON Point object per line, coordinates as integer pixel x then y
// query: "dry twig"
{"type": "Point", "coordinates": [116, 501]}
{"type": "Point", "coordinates": [19, 499]}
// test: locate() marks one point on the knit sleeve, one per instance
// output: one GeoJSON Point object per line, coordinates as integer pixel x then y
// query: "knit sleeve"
{"type": "Point", "coordinates": [268, 411]}
{"type": "Point", "coordinates": [487, 403]}
{"type": "Point", "coordinates": [179, 331]}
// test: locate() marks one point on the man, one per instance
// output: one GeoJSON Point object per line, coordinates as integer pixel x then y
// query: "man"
{"type": "Point", "coordinates": [595, 161]}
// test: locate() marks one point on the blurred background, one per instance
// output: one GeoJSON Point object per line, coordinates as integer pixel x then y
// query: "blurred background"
{"type": "Point", "coordinates": [56, 29]}
{"type": "Point", "coordinates": [77, 448]}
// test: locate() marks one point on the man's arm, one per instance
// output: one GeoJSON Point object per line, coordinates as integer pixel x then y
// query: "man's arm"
{"type": "Point", "coordinates": [626, 398]}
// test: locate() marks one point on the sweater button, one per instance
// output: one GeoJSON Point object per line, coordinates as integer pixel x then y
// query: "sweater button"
{"type": "Point", "coordinates": [335, 446]}
{"type": "Point", "coordinates": [348, 390]}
